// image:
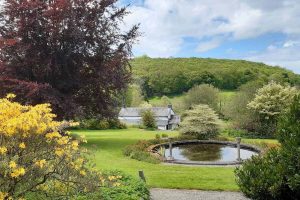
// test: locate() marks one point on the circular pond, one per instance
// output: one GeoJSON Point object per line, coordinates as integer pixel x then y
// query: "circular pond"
{"type": "Point", "coordinates": [206, 152]}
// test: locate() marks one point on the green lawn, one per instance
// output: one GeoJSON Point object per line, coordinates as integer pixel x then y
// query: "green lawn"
{"type": "Point", "coordinates": [175, 99]}
{"type": "Point", "coordinates": [227, 94]}
{"type": "Point", "coordinates": [109, 145]}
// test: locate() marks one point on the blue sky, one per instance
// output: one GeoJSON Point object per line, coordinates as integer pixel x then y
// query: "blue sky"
{"type": "Point", "coordinates": [257, 30]}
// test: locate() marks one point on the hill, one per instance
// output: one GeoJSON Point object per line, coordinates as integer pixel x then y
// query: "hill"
{"type": "Point", "coordinates": [171, 76]}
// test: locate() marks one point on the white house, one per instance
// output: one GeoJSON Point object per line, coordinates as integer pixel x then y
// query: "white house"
{"type": "Point", "coordinates": [165, 117]}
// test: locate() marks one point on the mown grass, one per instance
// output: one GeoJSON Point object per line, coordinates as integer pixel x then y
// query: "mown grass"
{"type": "Point", "coordinates": [108, 156]}
{"type": "Point", "coordinates": [175, 99]}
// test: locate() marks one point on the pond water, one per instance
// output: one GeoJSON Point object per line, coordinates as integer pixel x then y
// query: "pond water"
{"type": "Point", "coordinates": [207, 152]}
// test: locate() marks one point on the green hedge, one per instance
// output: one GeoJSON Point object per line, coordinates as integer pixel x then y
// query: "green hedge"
{"type": "Point", "coordinates": [100, 124]}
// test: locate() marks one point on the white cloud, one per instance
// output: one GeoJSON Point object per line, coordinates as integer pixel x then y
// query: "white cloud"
{"type": "Point", "coordinates": [291, 43]}
{"type": "Point", "coordinates": [287, 56]}
{"type": "Point", "coordinates": [271, 47]}
{"type": "Point", "coordinates": [208, 45]}
{"type": "Point", "coordinates": [166, 23]}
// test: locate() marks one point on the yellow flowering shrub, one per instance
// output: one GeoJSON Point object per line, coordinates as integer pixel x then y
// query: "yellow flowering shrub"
{"type": "Point", "coordinates": [37, 156]}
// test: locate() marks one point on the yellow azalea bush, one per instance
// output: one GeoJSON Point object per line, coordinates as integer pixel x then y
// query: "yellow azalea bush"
{"type": "Point", "coordinates": [38, 156]}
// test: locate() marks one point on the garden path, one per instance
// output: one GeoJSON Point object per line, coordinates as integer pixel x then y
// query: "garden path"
{"type": "Point", "coordinates": [175, 194]}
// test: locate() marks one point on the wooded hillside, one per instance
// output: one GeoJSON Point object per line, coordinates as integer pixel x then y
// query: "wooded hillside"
{"type": "Point", "coordinates": [168, 76]}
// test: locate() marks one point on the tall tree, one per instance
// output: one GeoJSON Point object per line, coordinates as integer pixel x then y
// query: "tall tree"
{"type": "Point", "coordinates": [70, 53]}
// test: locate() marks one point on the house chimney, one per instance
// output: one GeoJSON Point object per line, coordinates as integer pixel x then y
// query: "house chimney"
{"type": "Point", "coordinates": [123, 102]}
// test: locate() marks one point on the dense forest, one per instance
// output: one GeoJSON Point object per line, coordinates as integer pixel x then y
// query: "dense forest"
{"type": "Point", "coordinates": [169, 76]}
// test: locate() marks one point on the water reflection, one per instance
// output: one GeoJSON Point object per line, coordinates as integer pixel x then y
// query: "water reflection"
{"type": "Point", "coordinates": [207, 152]}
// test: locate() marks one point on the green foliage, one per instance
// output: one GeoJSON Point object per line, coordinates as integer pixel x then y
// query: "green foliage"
{"type": "Point", "coordinates": [74, 55]}
{"type": "Point", "coordinates": [202, 94]}
{"type": "Point", "coordinates": [288, 131]}
{"type": "Point", "coordinates": [276, 174]}
{"type": "Point", "coordinates": [272, 176]}
{"type": "Point", "coordinates": [271, 100]}
{"type": "Point", "coordinates": [139, 152]}
{"type": "Point", "coordinates": [236, 109]}
{"type": "Point", "coordinates": [165, 101]}
{"type": "Point", "coordinates": [261, 178]}
{"type": "Point", "coordinates": [239, 102]}
{"type": "Point", "coordinates": [130, 188]}
{"type": "Point", "coordinates": [235, 133]}
{"type": "Point", "coordinates": [115, 185]}
{"type": "Point", "coordinates": [176, 101]}
{"type": "Point", "coordinates": [201, 122]}
{"type": "Point", "coordinates": [157, 136]}
{"type": "Point", "coordinates": [101, 124]}
{"type": "Point", "coordinates": [166, 76]}
{"type": "Point", "coordinates": [134, 96]}
{"type": "Point", "coordinates": [148, 119]}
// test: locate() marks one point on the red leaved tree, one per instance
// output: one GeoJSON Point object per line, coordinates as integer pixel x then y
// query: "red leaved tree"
{"type": "Point", "coordinates": [70, 53]}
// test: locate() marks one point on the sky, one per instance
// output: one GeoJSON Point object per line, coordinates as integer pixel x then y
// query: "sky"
{"type": "Point", "coordinates": [265, 31]}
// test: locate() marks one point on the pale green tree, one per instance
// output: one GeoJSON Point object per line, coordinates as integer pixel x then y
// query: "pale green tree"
{"type": "Point", "coordinates": [148, 119]}
{"type": "Point", "coordinates": [202, 94]}
{"type": "Point", "coordinates": [201, 122]}
{"type": "Point", "coordinates": [272, 99]}
{"type": "Point", "coordinates": [145, 105]}
{"type": "Point", "coordinates": [134, 96]}
{"type": "Point", "coordinates": [165, 101]}
{"type": "Point", "coordinates": [236, 109]}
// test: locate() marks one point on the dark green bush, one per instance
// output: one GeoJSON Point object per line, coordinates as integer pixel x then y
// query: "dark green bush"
{"type": "Point", "coordinates": [130, 188]}
{"type": "Point", "coordinates": [236, 133]}
{"type": "Point", "coordinates": [116, 124]}
{"type": "Point", "coordinates": [157, 136]}
{"type": "Point", "coordinates": [244, 134]}
{"type": "Point", "coordinates": [260, 177]}
{"type": "Point", "coordinates": [276, 175]}
{"type": "Point", "coordinates": [101, 124]}
{"type": "Point", "coordinates": [202, 94]}
{"type": "Point", "coordinates": [139, 151]}
{"type": "Point", "coordinates": [148, 119]}
{"type": "Point", "coordinates": [144, 156]}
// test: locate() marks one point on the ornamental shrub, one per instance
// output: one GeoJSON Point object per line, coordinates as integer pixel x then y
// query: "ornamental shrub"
{"type": "Point", "coordinates": [148, 119]}
{"type": "Point", "coordinates": [261, 177]}
{"type": "Point", "coordinates": [200, 122]}
{"type": "Point", "coordinates": [38, 157]}
{"type": "Point", "coordinates": [139, 151]}
{"type": "Point", "coordinates": [202, 94]}
{"type": "Point", "coordinates": [269, 103]}
{"type": "Point", "coordinates": [101, 124]}
{"type": "Point", "coordinates": [128, 188]}
{"type": "Point", "coordinates": [276, 175]}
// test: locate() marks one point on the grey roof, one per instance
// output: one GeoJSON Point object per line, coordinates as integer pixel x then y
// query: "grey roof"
{"type": "Point", "coordinates": [136, 112]}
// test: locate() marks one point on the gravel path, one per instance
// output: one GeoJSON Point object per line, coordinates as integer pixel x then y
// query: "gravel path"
{"type": "Point", "coordinates": [174, 194]}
